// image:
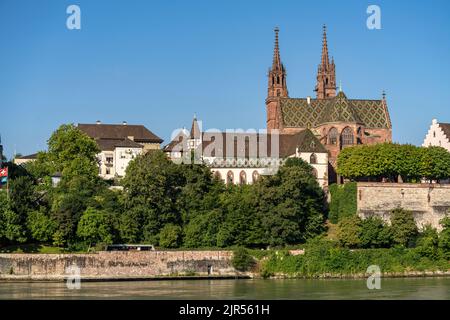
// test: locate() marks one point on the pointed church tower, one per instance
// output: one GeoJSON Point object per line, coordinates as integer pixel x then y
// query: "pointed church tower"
{"type": "Point", "coordinates": [277, 74]}
{"type": "Point", "coordinates": [326, 73]}
{"type": "Point", "coordinates": [277, 87]}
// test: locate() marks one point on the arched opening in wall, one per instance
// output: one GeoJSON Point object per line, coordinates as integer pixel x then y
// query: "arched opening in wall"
{"type": "Point", "coordinates": [332, 136]}
{"type": "Point", "coordinates": [242, 177]}
{"type": "Point", "coordinates": [278, 79]}
{"type": "Point", "coordinates": [217, 175]}
{"type": "Point", "coordinates": [347, 138]}
{"type": "Point", "coordinates": [230, 177]}
{"type": "Point", "coordinates": [314, 172]}
{"type": "Point", "coordinates": [255, 176]}
{"type": "Point", "coordinates": [313, 159]}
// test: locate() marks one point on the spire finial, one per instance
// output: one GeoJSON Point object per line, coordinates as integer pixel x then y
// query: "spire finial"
{"type": "Point", "coordinates": [384, 95]}
{"type": "Point", "coordinates": [325, 60]}
{"type": "Point", "coordinates": [276, 51]}
{"type": "Point", "coordinates": [340, 86]}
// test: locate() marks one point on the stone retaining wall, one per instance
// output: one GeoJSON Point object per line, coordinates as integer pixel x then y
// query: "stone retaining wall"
{"type": "Point", "coordinates": [116, 265]}
{"type": "Point", "coordinates": [428, 202]}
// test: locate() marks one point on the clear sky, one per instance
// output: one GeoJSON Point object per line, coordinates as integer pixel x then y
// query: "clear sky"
{"type": "Point", "coordinates": [158, 62]}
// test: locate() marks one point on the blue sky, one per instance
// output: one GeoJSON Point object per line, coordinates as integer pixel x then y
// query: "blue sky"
{"type": "Point", "coordinates": [158, 62]}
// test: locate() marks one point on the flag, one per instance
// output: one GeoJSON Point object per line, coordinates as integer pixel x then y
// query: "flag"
{"type": "Point", "coordinates": [3, 180]}
{"type": "Point", "coordinates": [4, 172]}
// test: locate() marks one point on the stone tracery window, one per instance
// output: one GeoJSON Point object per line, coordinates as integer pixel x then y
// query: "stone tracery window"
{"type": "Point", "coordinates": [314, 172]}
{"type": "Point", "coordinates": [332, 136]}
{"type": "Point", "coordinates": [347, 138]}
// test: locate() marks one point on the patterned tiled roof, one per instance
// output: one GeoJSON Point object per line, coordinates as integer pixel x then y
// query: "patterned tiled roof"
{"type": "Point", "coordinates": [299, 114]}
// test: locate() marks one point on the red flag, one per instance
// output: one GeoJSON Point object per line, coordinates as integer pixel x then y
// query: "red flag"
{"type": "Point", "coordinates": [4, 172]}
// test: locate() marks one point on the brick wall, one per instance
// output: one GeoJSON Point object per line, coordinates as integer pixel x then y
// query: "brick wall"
{"type": "Point", "coordinates": [117, 264]}
{"type": "Point", "coordinates": [428, 202]}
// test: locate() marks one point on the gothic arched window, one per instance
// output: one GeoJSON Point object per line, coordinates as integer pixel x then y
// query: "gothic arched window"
{"type": "Point", "coordinates": [347, 137]}
{"type": "Point", "coordinates": [243, 177]}
{"type": "Point", "coordinates": [218, 175]}
{"type": "Point", "coordinates": [255, 176]}
{"type": "Point", "coordinates": [313, 159]}
{"type": "Point", "coordinates": [230, 177]}
{"type": "Point", "coordinates": [332, 136]}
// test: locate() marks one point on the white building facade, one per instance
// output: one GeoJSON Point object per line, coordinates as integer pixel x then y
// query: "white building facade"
{"type": "Point", "coordinates": [438, 135]}
{"type": "Point", "coordinates": [242, 158]}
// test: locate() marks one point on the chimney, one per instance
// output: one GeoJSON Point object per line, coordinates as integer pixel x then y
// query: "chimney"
{"type": "Point", "coordinates": [124, 123]}
{"type": "Point", "coordinates": [308, 99]}
{"type": "Point", "coordinates": [99, 122]}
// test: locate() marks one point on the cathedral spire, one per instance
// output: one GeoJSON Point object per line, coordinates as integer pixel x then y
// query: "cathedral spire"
{"type": "Point", "coordinates": [326, 75]}
{"type": "Point", "coordinates": [325, 62]}
{"type": "Point", "coordinates": [277, 74]}
{"type": "Point", "coordinates": [276, 63]}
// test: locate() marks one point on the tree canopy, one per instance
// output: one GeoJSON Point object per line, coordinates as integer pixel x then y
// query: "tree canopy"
{"type": "Point", "coordinates": [390, 160]}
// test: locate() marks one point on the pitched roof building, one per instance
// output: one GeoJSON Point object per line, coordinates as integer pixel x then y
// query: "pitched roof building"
{"type": "Point", "coordinates": [335, 120]}
{"type": "Point", "coordinates": [438, 135]}
{"type": "Point", "coordinates": [119, 144]}
{"type": "Point", "coordinates": [241, 157]}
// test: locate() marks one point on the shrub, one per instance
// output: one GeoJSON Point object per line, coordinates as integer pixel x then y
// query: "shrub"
{"type": "Point", "coordinates": [170, 236]}
{"type": "Point", "coordinates": [427, 243]}
{"type": "Point", "coordinates": [403, 226]}
{"type": "Point", "coordinates": [349, 231]}
{"type": "Point", "coordinates": [242, 260]}
{"type": "Point", "coordinates": [375, 233]}
{"type": "Point", "coordinates": [444, 237]}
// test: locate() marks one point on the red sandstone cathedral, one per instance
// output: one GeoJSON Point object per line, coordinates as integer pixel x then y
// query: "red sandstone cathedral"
{"type": "Point", "coordinates": [337, 121]}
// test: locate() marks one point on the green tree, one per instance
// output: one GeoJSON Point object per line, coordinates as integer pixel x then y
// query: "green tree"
{"type": "Point", "coordinates": [375, 233]}
{"type": "Point", "coordinates": [444, 237]}
{"type": "Point", "coordinates": [170, 236]}
{"type": "Point", "coordinates": [12, 227]}
{"type": "Point", "coordinates": [94, 227]}
{"type": "Point", "coordinates": [428, 243]}
{"type": "Point", "coordinates": [290, 204]}
{"type": "Point", "coordinates": [403, 227]}
{"type": "Point", "coordinates": [435, 163]}
{"type": "Point", "coordinates": [40, 225]}
{"type": "Point", "coordinates": [349, 231]}
{"type": "Point", "coordinates": [242, 260]}
{"type": "Point", "coordinates": [152, 185]}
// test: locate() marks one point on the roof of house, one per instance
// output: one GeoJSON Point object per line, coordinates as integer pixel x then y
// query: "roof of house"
{"type": "Point", "coordinates": [32, 156]}
{"type": "Point", "coordinates": [298, 113]}
{"type": "Point", "coordinates": [111, 144]}
{"type": "Point", "coordinates": [446, 128]}
{"type": "Point", "coordinates": [242, 143]}
{"type": "Point", "coordinates": [119, 131]}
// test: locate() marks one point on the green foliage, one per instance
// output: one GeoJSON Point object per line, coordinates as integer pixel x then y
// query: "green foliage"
{"type": "Point", "coordinates": [403, 227]}
{"type": "Point", "coordinates": [388, 160]}
{"type": "Point", "coordinates": [444, 237]}
{"type": "Point", "coordinates": [326, 257]}
{"type": "Point", "coordinates": [375, 233]}
{"type": "Point", "coordinates": [41, 225]}
{"type": "Point", "coordinates": [94, 227]}
{"type": "Point", "coordinates": [428, 242]}
{"type": "Point", "coordinates": [290, 205]}
{"type": "Point", "coordinates": [349, 231]}
{"type": "Point", "coordinates": [242, 260]}
{"type": "Point", "coordinates": [170, 236]}
{"type": "Point", "coordinates": [343, 201]}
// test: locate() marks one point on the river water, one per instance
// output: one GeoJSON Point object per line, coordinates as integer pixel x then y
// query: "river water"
{"type": "Point", "coordinates": [391, 288]}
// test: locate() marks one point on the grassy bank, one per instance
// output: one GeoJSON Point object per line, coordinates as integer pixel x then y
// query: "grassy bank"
{"type": "Point", "coordinates": [326, 258]}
